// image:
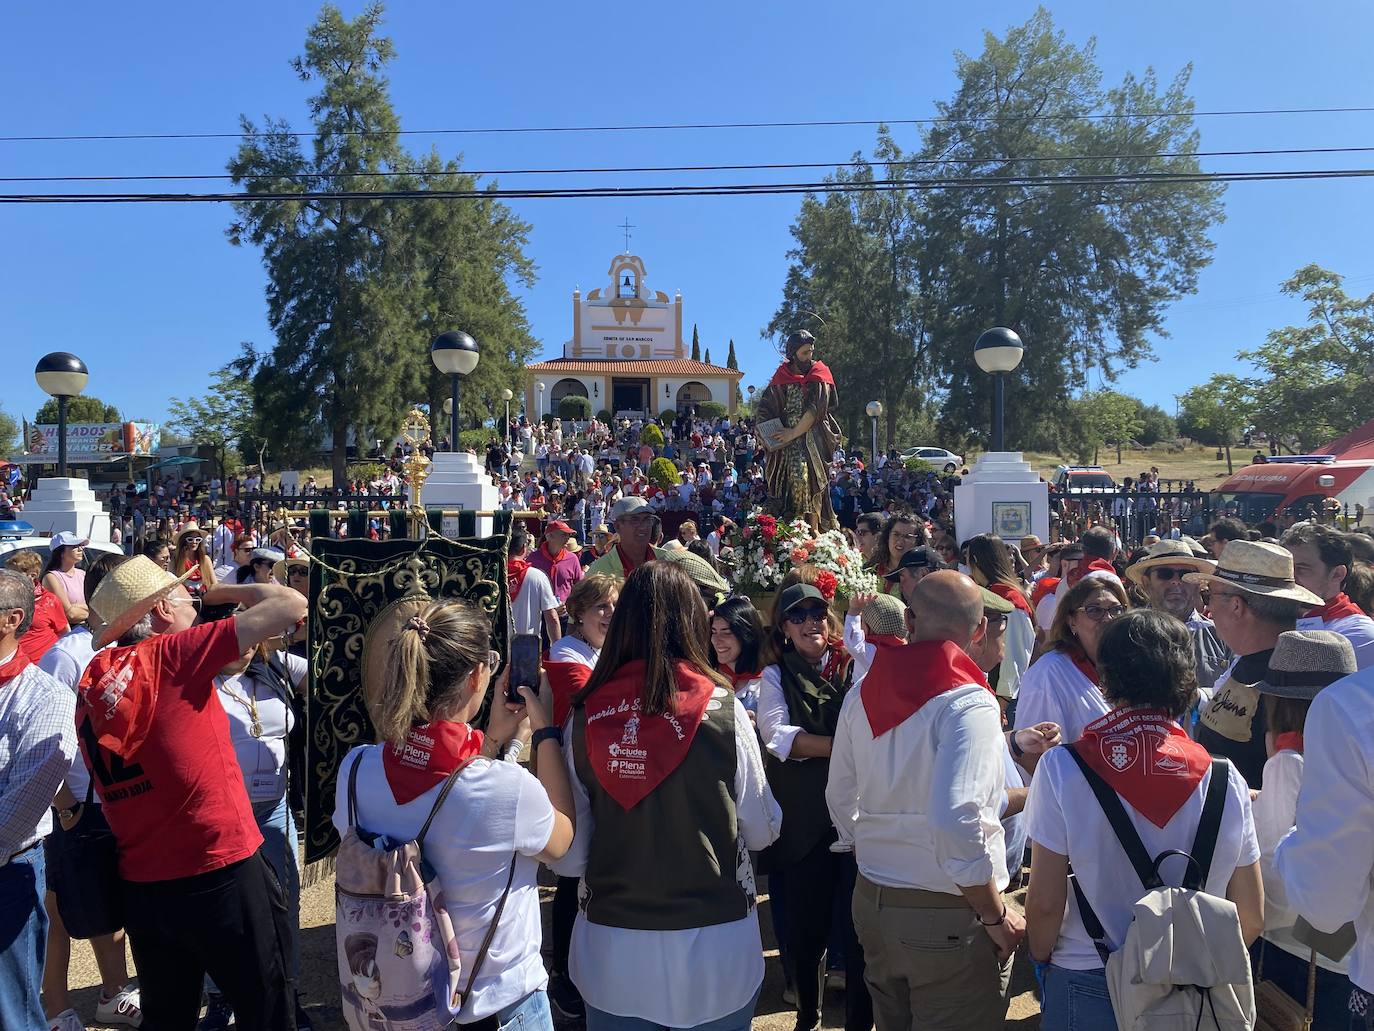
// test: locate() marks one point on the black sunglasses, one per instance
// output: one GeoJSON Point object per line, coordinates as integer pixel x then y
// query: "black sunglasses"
{"type": "Point", "coordinates": [1167, 574]}
{"type": "Point", "coordinates": [798, 617]}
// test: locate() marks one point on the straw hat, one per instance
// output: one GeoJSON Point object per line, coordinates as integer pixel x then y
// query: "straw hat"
{"type": "Point", "coordinates": [885, 614]}
{"type": "Point", "coordinates": [188, 530]}
{"type": "Point", "coordinates": [296, 558]}
{"type": "Point", "coordinates": [125, 595]}
{"type": "Point", "coordinates": [1168, 553]}
{"type": "Point", "coordinates": [1257, 568]}
{"type": "Point", "coordinates": [1305, 661]}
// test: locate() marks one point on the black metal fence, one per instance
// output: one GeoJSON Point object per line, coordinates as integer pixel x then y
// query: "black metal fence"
{"type": "Point", "coordinates": [1133, 514]}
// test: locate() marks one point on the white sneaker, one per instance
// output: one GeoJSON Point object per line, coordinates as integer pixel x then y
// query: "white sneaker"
{"type": "Point", "coordinates": [67, 1020]}
{"type": "Point", "coordinates": [122, 1009]}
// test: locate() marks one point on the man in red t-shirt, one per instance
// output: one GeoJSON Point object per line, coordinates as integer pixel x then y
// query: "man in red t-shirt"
{"type": "Point", "coordinates": [198, 895]}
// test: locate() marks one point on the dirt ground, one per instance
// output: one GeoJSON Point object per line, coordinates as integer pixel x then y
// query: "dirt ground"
{"type": "Point", "coordinates": [319, 975]}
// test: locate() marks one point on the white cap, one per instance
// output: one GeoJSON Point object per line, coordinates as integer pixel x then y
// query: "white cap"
{"type": "Point", "coordinates": [67, 539]}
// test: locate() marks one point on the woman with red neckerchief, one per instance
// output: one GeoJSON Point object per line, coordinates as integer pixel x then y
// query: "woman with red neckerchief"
{"type": "Point", "coordinates": [1062, 686]}
{"type": "Point", "coordinates": [799, 708]}
{"type": "Point", "coordinates": [667, 934]}
{"type": "Point", "coordinates": [438, 677]}
{"type": "Point", "coordinates": [1162, 778]}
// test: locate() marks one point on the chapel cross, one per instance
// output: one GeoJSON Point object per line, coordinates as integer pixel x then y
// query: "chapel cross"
{"type": "Point", "coordinates": [626, 230]}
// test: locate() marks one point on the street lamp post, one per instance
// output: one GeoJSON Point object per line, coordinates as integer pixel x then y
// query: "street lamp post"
{"type": "Point", "coordinates": [506, 395]}
{"type": "Point", "coordinates": [874, 409]}
{"type": "Point", "coordinates": [539, 415]}
{"type": "Point", "coordinates": [63, 376]}
{"type": "Point", "coordinates": [455, 354]}
{"type": "Point", "coordinates": [997, 352]}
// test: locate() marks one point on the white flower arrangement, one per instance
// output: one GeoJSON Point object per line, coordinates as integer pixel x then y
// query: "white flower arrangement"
{"type": "Point", "coordinates": [761, 551]}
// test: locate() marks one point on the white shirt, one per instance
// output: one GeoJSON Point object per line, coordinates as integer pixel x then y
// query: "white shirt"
{"type": "Point", "coordinates": [1016, 656]}
{"type": "Point", "coordinates": [856, 644]}
{"type": "Point", "coordinates": [676, 979]}
{"type": "Point", "coordinates": [1327, 863]}
{"type": "Point", "coordinates": [494, 809]}
{"type": "Point", "coordinates": [37, 745]}
{"type": "Point", "coordinates": [922, 803]}
{"type": "Point", "coordinates": [1357, 629]}
{"type": "Point", "coordinates": [65, 661]}
{"type": "Point", "coordinates": [1053, 689]}
{"type": "Point", "coordinates": [262, 759]}
{"type": "Point", "coordinates": [713, 542]}
{"type": "Point", "coordinates": [1064, 816]}
{"type": "Point", "coordinates": [535, 598]}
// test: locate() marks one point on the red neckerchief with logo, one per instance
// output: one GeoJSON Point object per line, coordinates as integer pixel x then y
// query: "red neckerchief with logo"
{"type": "Point", "coordinates": [628, 564]}
{"type": "Point", "coordinates": [13, 666]}
{"type": "Point", "coordinates": [1290, 740]}
{"type": "Point", "coordinates": [1146, 758]}
{"type": "Point", "coordinates": [631, 753]}
{"type": "Point", "coordinates": [1338, 607]}
{"type": "Point", "coordinates": [553, 559]}
{"type": "Point", "coordinates": [565, 680]}
{"type": "Point", "coordinates": [1084, 664]}
{"type": "Point", "coordinates": [516, 568]}
{"type": "Point", "coordinates": [430, 752]}
{"type": "Point", "coordinates": [1017, 597]}
{"type": "Point", "coordinates": [901, 680]}
{"type": "Point", "coordinates": [737, 680]}
{"type": "Point", "coordinates": [119, 689]}
{"type": "Point", "coordinates": [818, 373]}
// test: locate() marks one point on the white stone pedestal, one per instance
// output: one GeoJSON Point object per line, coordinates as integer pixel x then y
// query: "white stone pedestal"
{"type": "Point", "coordinates": [459, 480]}
{"type": "Point", "coordinates": [67, 503]}
{"type": "Point", "coordinates": [1002, 494]}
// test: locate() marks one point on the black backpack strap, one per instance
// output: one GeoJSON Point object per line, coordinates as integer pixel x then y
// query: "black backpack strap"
{"type": "Point", "coordinates": [353, 791]}
{"type": "Point", "coordinates": [1121, 823]}
{"type": "Point", "coordinates": [1091, 923]}
{"type": "Point", "coordinates": [1205, 843]}
{"type": "Point", "coordinates": [443, 794]}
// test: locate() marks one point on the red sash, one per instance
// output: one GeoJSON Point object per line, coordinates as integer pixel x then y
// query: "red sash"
{"type": "Point", "coordinates": [818, 373]}
{"type": "Point", "coordinates": [901, 680]}
{"type": "Point", "coordinates": [1084, 664]}
{"type": "Point", "coordinates": [13, 666]}
{"type": "Point", "coordinates": [1338, 607]}
{"type": "Point", "coordinates": [516, 568]}
{"type": "Point", "coordinates": [565, 680]}
{"type": "Point", "coordinates": [1146, 758]}
{"type": "Point", "coordinates": [632, 753]}
{"type": "Point", "coordinates": [1014, 595]}
{"type": "Point", "coordinates": [119, 689]}
{"type": "Point", "coordinates": [431, 752]}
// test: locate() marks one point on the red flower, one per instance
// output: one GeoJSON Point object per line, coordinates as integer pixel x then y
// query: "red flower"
{"type": "Point", "coordinates": [826, 584]}
{"type": "Point", "coordinates": [842, 560]}
{"type": "Point", "coordinates": [799, 556]}
{"type": "Point", "coordinates": [768, 530]}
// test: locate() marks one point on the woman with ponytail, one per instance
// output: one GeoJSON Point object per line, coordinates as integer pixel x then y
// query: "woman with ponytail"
{"type": "Point", "coordinates": [437, 680]}
{"type": "Point", "coordinates": [667, 934]}
{"type": "Point", "coordinates": [990, 565]}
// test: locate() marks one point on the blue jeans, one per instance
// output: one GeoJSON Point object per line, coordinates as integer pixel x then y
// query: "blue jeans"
{"type": "Point", "coordinates": [24, 934]}
{"type": "Point", "coordinates": [1076, 1000]}
{"type": "Point", "coordinates": [529, 1014]}
{"type": "Point", "coordinates": [740, 1020]}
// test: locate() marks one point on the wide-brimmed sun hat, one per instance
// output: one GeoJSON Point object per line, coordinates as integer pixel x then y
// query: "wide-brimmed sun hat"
{"type": "Point", "coordinates": [125, 595]}
{"type": "Point", "coordinates": [190, 530]}
{"type": "Point", "coordinates": [283, 565]}
{"type": "Point", "coordinates": [1257, 568]}
{"type": "Point", "coordinates": [1168, 553]}
{"type": "Point", "coordinates": [1305, 661]}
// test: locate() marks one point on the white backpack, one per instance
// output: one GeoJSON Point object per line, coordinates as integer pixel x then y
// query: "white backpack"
{"type": "Point", "coordinates": [1183, 965]}
{"type": "Point", "coordinates": [399, 967]}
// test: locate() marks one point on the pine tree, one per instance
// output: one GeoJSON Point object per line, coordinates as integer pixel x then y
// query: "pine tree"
{"type": "Point", "coordinates": [731, 362]}
{"type": "Point", "coordinates": [707, 359]}
{"type": "Point", "coordinates": [696, 344]}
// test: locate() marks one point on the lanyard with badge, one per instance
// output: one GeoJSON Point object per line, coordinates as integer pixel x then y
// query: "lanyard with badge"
{"type": "Point", "coordinates": [263, 785]}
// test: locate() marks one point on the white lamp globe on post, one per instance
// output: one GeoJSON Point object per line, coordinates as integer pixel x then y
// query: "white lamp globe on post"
{"type": "Point", "coordinates": [540, 413]}
{"type": "Point", "coordinates": [874, 409]}
{"type": "Point", "coordinates": [61, 375]}
{"type": "Point", "coordinates": [997, 352]}
{"type": "Point", "coordinates": [454, 354]}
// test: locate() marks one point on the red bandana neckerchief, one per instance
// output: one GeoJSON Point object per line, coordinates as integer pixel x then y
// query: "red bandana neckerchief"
{"type": "Point", "coordinates": [818, 373]}
{"type": "Point", "coordinates": [553, 559]}
{"type": "Point", "coordinates": [1045, 585]}
{"type": "Point", "coordinates": [1146, 758]}
{"type": "Point", "coordinates": [1017, 597]}
{"type": "Point", "coordinates": [1338, 607]}
{"type": "Point", "coordinates": [737, 680]}
{"type": "Point", "coordinates": [901, 680]}
{"type": "Point", "coordinates": [630, 565]}
{"type": "Point", "coordinates": [885, 640]}
{"type": "Point", "coordinates": [632, 753]}
{"type": "Point", "coordinates": [1083, 664]}
{"type": "Point", "coordinates": [13, 666]}
{"type": "Point", "coordinates": [516, 568]}
{"type": "Point", "coordinates": [431, 752]}
{"type": "Point", "coordinates": [1290, 740]}
{"type": "Point", "coordinates": [565, 680]}
{"type": "Point", "coordinates": [1097, 565]}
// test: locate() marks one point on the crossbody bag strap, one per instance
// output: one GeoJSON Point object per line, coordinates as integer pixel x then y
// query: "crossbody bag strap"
{"type": "Point", "coordinates": [1120, 823]}
{"type": "Point", "coordinates": [353, 791]}
{"type": "Point", "coordinates": [1209, 827]}
{"type": "Point", "coordinates": [443, 794]}
{"type": "Point", "coordinates": [491, 930]}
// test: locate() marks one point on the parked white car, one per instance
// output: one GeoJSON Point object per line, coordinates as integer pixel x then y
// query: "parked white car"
{"type": "Point", "coordinates": [936, 456]}
{"type": "Point", "coordinates": [17, 535]}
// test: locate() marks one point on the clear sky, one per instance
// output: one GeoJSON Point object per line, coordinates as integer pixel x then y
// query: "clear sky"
{"type": "Point", "coordinates": [153, 297]}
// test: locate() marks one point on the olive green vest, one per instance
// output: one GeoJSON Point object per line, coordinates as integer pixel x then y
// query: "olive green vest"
{"type": "Point", "coordinates": [672, 862]}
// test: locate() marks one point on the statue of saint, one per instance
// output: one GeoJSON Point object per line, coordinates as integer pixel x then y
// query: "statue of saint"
{"type": "Point", "coordinates": [804, 435]}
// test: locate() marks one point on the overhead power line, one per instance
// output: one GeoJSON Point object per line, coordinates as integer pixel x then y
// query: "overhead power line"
{"type": "Point", "coordinates": [628, 170]}
{"type": "Point", "coordinates": [687, 190]}
{"type": "Point", "coordinates": [817, 123]}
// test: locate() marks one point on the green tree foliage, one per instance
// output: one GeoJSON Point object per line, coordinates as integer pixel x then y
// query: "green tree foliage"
{"type": "Point", "coordinates": [1314, 383]}
{"type": "Point", "coordinates": [82, 408]}
{"type": "Point", "coordinates": [219, 419]}
{"type": "Point", "coordinates": [574, 408]}
{"type": "Point", "coordinates": [1156, 425]}
{"type": "Point", "coordinates": [651, 435]}
{"type": "Point", "coordinates": [9, 435]}
{"type": "Point", "coordinates": [711, 410]}
{"type": "Point", "coordinates": [707, 358]}
{"type": "Point", "coordinates": [1108, 417]}
{"type": "Point", "coordinates": [1222, 408]}
{"type": "Point", "coordinates": [696, 344]}
{"type": "Point", "coordinates": [356, 289]}
{"type": "Point", "coordinates": [663, 474]}
{"type": "Point", "coordinates": [731, 362]}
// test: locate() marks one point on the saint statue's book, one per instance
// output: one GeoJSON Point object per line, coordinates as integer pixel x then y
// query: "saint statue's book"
{"type": "Point", "coordinates": [766, 430]}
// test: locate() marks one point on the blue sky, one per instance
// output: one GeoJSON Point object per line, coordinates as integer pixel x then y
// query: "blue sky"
{"type": "Point", "coordinates": [154, 297]}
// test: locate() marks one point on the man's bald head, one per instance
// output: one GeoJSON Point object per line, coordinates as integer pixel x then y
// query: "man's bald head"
{"type": "Point", "coordinates": [946, 606]}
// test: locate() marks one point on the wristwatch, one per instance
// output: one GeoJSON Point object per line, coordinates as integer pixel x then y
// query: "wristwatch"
{"type": "Point", "coordinates": [67, 815]}
{"type": "Point", "coordinates": [546, 734]}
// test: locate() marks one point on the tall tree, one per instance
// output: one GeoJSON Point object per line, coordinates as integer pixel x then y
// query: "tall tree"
{"type": "Point", "coordinates": [707, 359]}
{"type": "Point", "coordinates": [9, 434]}
{"type": "Point", "coordinates": [1314, 383]}
{"type": "Point", "coordinates": [219, 419]}
{"type": "Point", "coordinates": [1222, 407]}
{"type": "Point", "coordinates": [1109, 417]}
{"type": "Point", "coordinates": [731, 362]}
{"type": "Point", "coordinates": [696, 344]}
{"type": "Point", "coordinates": [82, 408]}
